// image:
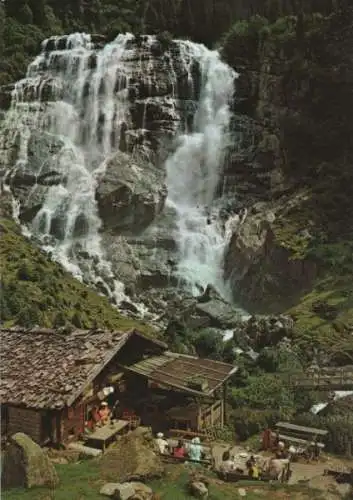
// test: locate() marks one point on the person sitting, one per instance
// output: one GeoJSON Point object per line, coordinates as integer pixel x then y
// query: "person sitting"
{"type": "Point", "coordinates": [281, 451]}
{"type": "Point", "coordinates": [93, 419]}
{"type": "Point", "coordinates": [195, 450]}
{"type": "Point", "coordinates": [162, 444]}
{"type": "Point", "coordinates": [104, 412]}
{"type": "Point", "coordinates": [253, 470]}
{"type": "Point", "coordinates": [179, 450]}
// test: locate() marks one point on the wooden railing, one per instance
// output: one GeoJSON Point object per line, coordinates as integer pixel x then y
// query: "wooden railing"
{"type": "Point", "coordinates": [328, 379]}
{"type": "Point", "coordinates": [212, 415]}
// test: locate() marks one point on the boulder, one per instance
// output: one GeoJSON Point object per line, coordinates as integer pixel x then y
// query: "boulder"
{"type": "Point", "coordinates": [132, 459]}
{"type": "Point", "coordinates": [221, 314]}
{"type": "Point", "coordinates": [26, 465]}
{"type": "Point", "coordinates": [130, 192]}
{"type": "Point", "coordinates": [198, 489]}
{"type": "Point", "coordinates": [124, 491]}
{"type": "Point", "coordinates": [109, 489]}
{"type": "Point", "coordinates": [260, 331]}
{"type": "Point", "coordinates": [143, 491]}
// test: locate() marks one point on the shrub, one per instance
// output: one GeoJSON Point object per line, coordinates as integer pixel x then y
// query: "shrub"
{"type": "Point", "coordinates": [248, 422]}
{"type": "Point", "coordinates": [28, 317]}
{"type": "Point", "coordinates": [27, 272]}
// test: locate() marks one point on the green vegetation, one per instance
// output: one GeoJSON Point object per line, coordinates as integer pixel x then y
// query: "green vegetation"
{"type": "Point", "coordinates": [25, 23]}
{"type": "Point", "coordinates": [77, 481]}
{"type": "Point", "coordinates": [81, 481]}
{"type": "Point", "coordinates": [36, 291]}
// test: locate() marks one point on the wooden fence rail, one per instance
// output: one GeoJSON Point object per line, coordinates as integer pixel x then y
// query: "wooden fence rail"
{"type": "Point", "coordinates": [333, 379]}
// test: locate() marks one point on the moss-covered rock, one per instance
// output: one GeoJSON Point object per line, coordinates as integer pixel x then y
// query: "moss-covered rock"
{"type": "Point", "coordinates": [27, 465]}
{"type": "Point", "coordinates": [38, 291]}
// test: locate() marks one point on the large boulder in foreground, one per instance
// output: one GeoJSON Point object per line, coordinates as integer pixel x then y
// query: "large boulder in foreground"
{"type": "Point", "coordinates": [130, 192]}
{"type": "Point", "coordinates": [132, 459]}
{"type": "Point", "coordinates": [26, 465]}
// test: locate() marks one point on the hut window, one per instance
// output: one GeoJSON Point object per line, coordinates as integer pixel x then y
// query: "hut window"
{"type": "Point", "coordinates": [71, 413]}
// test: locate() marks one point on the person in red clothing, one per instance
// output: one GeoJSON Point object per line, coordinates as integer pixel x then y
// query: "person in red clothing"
{"type": "Point", "coordinates": [179, 451]}
{"type": "Point", "coordinates": [104, 412]}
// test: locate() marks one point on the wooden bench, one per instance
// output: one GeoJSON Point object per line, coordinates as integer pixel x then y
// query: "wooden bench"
{"type": "Point", "coordinates": [287, 427]}
{"type": "Point", "coordinates": [172, 459]}
{"type": "Point", "coordinates": [341, 475]}
{"type": "Point", "coordinates": [106, 434]}
{"type": "Point", "coordinates": [301, 435]}
{"type": "Point", "coordinates": [296, 440]}
{"type": "Point", "coordinates": [183, 433]}
{"type": "Point", "coordinates": [234, 477]}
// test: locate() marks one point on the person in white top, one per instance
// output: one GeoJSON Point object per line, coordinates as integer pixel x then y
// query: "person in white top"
{"type": "Point", "coordinates": [163, 445]}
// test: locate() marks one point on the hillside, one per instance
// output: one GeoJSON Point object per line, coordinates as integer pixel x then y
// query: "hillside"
{"type": "Point", "coordinates": [38, 291]}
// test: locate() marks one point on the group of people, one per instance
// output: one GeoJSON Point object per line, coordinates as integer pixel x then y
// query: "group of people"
{"type": "Point", "coordinates": [275, 467]}
{"type": "Point", "coordinates": [229, 465]}
{"type": "Point", "coordinates": [193, 451]}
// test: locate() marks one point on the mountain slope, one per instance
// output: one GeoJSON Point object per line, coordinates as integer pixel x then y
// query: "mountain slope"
{"type": "Point", "coordinates": [37, 291]}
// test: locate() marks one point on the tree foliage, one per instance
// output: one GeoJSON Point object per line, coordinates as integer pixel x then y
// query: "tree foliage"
{"type": "Point", "coordinates": [204, 21]}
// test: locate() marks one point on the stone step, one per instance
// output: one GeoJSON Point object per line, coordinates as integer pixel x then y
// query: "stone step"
{"type": "Point", "coordinates": [85, 450]}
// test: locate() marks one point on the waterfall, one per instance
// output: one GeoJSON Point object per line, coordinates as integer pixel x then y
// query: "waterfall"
{"type": "Point", "coordinates": [84, 107]}
{"type": "Point", "coordinates": [72, 112]}
{"type": "Point", "coordinates": [193, 175]}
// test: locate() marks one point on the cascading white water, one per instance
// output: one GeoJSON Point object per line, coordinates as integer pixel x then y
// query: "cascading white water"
{"type": "Point", "coordinates": [193, 174]}
{"type": "Point", "coordinates": [78, 97]}
{"type": "Point", "coordinates": [83, 121]}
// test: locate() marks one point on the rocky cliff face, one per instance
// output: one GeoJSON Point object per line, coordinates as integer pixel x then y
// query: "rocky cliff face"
{"type": "Point", "coordinates": [296, 109]}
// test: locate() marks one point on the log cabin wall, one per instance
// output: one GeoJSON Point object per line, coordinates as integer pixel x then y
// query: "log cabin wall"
{"type": "Point", "coordinates": [25, 420]}
{"type": "Point", "coordinates": [72, 422]}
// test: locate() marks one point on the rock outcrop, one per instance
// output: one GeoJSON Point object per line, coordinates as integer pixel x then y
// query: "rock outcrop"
{"type": "Point", "coordinates": [293, 117]}
{"type": "Point", "coordinates": [130, 192]}
{"type": "Point", "coordinates": [26, 465]}
{"type": "Point", "coordinates": [133, 459]}
{"type": "Point", "coordinates": [265, 272]}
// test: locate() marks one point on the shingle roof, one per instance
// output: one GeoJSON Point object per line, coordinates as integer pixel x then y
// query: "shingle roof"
{"type": "Point", "coordinates": [42, 368]}
{"type": "Point", "coordinates": [178, 370]}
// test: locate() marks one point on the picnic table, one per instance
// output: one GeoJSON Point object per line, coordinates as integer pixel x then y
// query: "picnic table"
{"type": "Point", "coordinates": [104, 435]}
{"type": "Point", "coordinates": [301, 435]}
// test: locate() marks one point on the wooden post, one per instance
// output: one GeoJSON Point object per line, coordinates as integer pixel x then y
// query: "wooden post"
{"type": "Point", "coordinates": [199, 422]}
{"type": "Point", "coordinates": [224, 419]}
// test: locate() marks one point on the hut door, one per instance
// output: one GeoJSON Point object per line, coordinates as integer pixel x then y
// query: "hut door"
{"type": "Point", "coordinates": [46, 427]}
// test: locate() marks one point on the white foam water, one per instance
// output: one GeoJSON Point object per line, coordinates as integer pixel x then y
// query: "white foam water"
{"type": "Point", "coordinates": [73, 116]}
{"type": "Point", "coordinates": [193, 175]}
{"type": "Point", "coordinates": [77, 96]}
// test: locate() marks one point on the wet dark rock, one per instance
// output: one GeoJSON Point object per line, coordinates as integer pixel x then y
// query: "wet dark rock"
{"type": "Point", "coordinates": [209, 294]}
{"type": "Point", "coordinates": [259, 331]}
{"type": "Point", "coordinates": [130, 193]}
{"type": "Point", "coordinates": [5, 96]}
{"type": "Point", "coordinates": [220, 313]}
